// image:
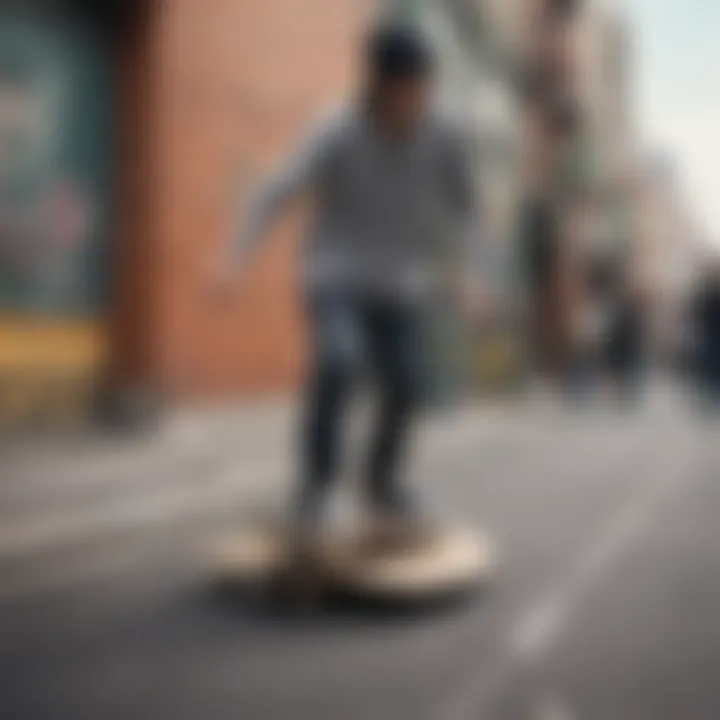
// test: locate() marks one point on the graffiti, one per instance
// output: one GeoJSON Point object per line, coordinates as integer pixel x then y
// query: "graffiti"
{"type": "Point", "coordinates": [55, 153]}
{"type": "Point", "coordinates": [50, 187]}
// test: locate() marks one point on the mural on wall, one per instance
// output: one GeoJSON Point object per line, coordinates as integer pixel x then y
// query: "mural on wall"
{"type": "Point", "coordinates": [54, 162]}
{"type": "Point", "coordinates": [55, 192]}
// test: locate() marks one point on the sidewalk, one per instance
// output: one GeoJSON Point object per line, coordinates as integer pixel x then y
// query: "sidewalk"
{"type": "Point", "coordinates": [200, 464]}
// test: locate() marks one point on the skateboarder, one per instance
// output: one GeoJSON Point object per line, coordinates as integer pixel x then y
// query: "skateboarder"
{"type": "Point", "coordinates": [385, 174]}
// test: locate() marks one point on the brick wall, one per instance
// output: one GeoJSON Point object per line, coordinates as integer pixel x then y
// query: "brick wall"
{"type": "Point", "coordinates": [237, 82]}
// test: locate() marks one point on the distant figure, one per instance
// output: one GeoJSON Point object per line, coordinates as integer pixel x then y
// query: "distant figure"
{"type": "Point", "coordinates": [539, 255]}
{"type": "Point", "coordinates": [590, 295]}
{"type": "Point", "coordinates": [625, 348]}
{"type": "Point", "coordinates": [706, 327]}
{"type": "Point", "coordinates": [385, 175]}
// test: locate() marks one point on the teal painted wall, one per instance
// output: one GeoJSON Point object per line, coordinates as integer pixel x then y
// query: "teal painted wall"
{"type": "Point", "coordinates": [56, 167]}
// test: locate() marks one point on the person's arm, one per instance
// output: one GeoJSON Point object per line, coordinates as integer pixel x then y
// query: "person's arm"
{"type": "Point", "coordinates": [296, 175]}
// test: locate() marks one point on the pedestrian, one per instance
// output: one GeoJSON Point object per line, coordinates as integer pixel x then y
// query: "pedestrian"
{"type": "Point", "coordinates": [588, 327]}
{"type": "Point", "coordinates": [625, 348]}
{"type": "Point", "coordinates": [384, 174]}
{"type": "Point", "coordinates": [706, 326]}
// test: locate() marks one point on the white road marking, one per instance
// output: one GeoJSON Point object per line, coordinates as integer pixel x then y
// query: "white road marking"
{"type": "Point", "coordinates": [539, 626]}
{"type": "Point", "coordinates": [537, 629]}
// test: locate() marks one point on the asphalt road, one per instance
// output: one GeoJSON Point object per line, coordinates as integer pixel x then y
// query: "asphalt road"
{"type": "Point", "coordinates": [605, 606]}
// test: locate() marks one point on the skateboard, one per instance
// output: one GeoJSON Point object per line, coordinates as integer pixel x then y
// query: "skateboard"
{"type": "Point", "coordinates": [411, 563]}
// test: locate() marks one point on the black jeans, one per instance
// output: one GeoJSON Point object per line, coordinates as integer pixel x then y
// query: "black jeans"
{"type": "Point", "coordinates": [352, 335]}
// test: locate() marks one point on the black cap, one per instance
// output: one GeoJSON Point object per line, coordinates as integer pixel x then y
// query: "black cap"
{"type": "Point", "coordinates": [398, 52]}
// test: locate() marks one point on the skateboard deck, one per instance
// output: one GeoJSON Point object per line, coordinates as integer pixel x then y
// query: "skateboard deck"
{"type": "Point", "coordinates": [412, 563]}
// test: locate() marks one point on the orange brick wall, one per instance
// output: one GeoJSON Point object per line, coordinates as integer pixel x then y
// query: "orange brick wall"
{"type": "Point", "coordinates": [237, 82]}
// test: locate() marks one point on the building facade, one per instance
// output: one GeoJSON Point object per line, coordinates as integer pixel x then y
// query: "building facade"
{"type": "Point", "coordinates": [672, 248]}
{"type": "Point", "coordinates": [605, 89]}
{"type": "Point", "coordinates": [144, 125]}
{"type": "Point", "coordinates": [164, 115]}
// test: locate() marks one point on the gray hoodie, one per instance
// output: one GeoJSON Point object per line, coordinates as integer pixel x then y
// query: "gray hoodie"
{"type": "Point", "coordinates": [384, 208]}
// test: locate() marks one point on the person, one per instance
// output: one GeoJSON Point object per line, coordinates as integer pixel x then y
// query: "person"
{"type": "Point", "coordinates": [385, 173]}
{"type": "Point", "coordinates": [625, 349]}
{"type": "Point", "coordinates": [706, 324]}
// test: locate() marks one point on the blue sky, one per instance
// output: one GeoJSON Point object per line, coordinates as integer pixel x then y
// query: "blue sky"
{"type": "Point", "coordinates": [677, 66]}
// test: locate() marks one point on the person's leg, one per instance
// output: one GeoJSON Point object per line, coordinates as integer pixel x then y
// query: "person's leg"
{"type": "Point", "coordinates": [336, 347]}
{"type": "Point", "coordinates": [702, 376]}
{"type": "Point", "coordinates": [394, 338]}
{"type": "Point", "coordinates": [707, 376]}
{"type": "Point", "coordinates": [714, 372]}
{"type": "Point", "coordinates": [638, 370]}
